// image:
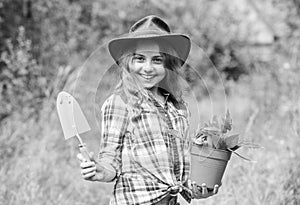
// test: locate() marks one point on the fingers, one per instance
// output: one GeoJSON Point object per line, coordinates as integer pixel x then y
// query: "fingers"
{"type": "Point", "coordinates": [196, 190]}
{"type": "Point", "coordinates": [87, 164]}
{"type": "Point", "coordinates": [80, 157]}
{"type": "Point", "coordinates": [89, 175]}
{"type": "Point", "coordinates": [189, 184]}
{"type": "Point", "coordinates": [216, 189]}
{"type": "Point", "coordinates": [204, 189]}
{"type": "Point", "coordinates": [92, 156]}
{"type": "Point", "coordinates": [88, 172]}
{"type": "Point", "coordinates": [88, 169]}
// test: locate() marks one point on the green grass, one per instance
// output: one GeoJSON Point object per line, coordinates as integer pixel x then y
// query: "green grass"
{"type": "Point", "coordinates": [39, 167]}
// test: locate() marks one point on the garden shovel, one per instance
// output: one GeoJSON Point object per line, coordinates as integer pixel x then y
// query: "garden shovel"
{"type": "Point", "coordinates": [72, 120]}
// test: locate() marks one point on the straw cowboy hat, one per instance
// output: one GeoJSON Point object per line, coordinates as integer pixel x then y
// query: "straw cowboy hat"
{"type": "Point", "coordinates": [154, 28]}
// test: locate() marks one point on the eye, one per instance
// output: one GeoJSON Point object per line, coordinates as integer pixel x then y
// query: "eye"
{"type": "Point", "coordinates": [138, 58]}
{"type": "Point", "coordinates": [158, 60]}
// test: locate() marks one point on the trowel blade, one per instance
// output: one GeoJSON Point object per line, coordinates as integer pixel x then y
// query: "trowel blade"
{"type": "Point", "coordinates": [70, 115]}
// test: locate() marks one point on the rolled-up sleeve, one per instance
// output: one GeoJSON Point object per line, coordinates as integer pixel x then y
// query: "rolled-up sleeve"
{"type": "Point", "coordinates": [187, 144]}
{"type": "Point", "coordinates": [114, 122]}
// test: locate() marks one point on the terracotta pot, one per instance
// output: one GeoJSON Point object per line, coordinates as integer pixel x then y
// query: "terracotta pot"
{"type": "Point", "coordinates": [208, 165]}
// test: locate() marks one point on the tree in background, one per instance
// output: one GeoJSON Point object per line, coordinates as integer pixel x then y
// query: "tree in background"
{"type": "Point", "coordinates": [237, 36]}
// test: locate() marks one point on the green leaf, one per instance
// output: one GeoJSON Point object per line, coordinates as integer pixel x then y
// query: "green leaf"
{"type": "Point", "coordinates": [250, 145]}
{"type": "Point", "coordinates": [232, 140]}
{"type": "Point", "coordinates": [198, 141]}
{"type": "Point", "coordinates": [221, 144]}
{"type": "Point", "coordinates": [215, 121]}
{"type": "Point", "coordinates": [245, 158]}
{"type": "Point", "coordinates": [234, 148]}
{"type": "Point", "coordinates": [216, 140]}
{"type": "Point", "coordinates": [212, 129]}
{"type": "Point", "coordinates": [227, 123]}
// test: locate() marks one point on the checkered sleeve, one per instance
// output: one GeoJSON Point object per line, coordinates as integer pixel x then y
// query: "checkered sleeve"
{"type": "Point", "coordinates": [187, 142]}
{"type": "Point", "coordinates": [186, 173]}
{"type": "Point", "coordinates": [114, 122]}
{"type": "Point", "coordinates": [187, 158]}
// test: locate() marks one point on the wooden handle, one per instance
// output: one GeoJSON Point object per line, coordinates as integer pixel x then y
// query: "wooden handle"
{"type": "Point", "coordinates": [84, 151]}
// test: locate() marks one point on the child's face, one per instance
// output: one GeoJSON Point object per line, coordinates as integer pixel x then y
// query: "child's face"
{"type": "Point", "coordinates": [147, 64]}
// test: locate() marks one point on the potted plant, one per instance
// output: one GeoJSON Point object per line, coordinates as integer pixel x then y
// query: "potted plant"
{"type": "Point", "coordinates": [211, 150]}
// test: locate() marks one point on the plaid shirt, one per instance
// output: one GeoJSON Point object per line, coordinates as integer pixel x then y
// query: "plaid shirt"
{"type": "Point", "coordinates": [148, 150]}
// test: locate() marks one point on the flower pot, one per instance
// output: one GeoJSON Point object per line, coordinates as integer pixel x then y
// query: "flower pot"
{"type": "Point", "coordinates": [208, 165]}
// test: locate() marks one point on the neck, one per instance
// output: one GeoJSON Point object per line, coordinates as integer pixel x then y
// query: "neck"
{"type": "Point", "coordinates": [157, 94]}
{"type": "Point", "coordinates": [154, 91]}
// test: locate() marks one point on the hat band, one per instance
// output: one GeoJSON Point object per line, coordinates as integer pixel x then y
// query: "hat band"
{"type": "Point", "coordinates": [147, 33]}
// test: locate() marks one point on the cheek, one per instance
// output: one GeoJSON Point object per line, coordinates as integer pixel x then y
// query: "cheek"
{"type": "Point", "coordinates": [163, 72]}
{"type": "Point", "coordinates": [132, 68]}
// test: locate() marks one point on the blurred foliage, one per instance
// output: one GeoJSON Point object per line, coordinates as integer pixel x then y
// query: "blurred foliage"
{"type": "Point", "coordinates": [22, 83]}
{"type": "Point", "coordinates": [291, 186]}
{"type": "Point", "coordinates": [65, 32]}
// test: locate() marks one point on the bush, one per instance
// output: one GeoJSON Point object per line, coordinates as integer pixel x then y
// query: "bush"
{"type": "Point", "coordinates": [22, 84]}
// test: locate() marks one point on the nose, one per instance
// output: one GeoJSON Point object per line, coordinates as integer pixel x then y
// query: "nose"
{"type": "Point", "coordinates": [148, 67]}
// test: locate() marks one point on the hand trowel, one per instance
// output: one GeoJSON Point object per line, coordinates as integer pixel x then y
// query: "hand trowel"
{"type": "Point", "coordinates": [72, 120]}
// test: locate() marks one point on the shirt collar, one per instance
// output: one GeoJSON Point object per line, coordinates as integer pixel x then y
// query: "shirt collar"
{"type": "Point", "coordinates": [165, 93]}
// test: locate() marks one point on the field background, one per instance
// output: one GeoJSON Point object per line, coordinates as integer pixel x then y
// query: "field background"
{"type": "Point", "coordinates": [245, 58]}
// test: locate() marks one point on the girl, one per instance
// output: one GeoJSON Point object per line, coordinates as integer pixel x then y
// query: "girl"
{"type": "Point", "coordinates": [144, 147]}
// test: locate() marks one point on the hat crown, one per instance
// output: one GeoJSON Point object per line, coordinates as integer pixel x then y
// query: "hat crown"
{"type": "Point", "coordinates": [150, 28]}
{"type": "Point", "coordinates": [150, 23]}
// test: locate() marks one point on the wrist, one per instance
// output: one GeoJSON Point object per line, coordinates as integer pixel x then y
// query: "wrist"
{"type": "Point", "coordinates": [107, 171]}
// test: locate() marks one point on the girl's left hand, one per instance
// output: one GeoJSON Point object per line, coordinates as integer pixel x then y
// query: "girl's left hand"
{"type": "Point", "coordinates": [200, 192]}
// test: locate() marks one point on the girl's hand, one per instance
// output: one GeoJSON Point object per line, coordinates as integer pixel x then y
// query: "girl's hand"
{"type": "Point", "coordinates": [93, 171]}
{"type": "Point", "coordinates": [200, 192]}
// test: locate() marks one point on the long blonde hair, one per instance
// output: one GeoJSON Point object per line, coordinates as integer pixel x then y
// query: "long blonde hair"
{"type": "Point", "coordinates": [130, 88]}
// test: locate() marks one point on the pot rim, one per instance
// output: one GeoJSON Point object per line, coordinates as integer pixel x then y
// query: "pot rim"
{"type": "Point", "coordinates": [210, 152]}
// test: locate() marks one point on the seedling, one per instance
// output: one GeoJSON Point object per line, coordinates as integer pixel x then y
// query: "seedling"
{"type": "Point", "coordinates": [218, 136]}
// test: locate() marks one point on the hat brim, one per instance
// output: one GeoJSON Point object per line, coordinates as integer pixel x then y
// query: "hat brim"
{"type": "Point", "coordinates": [180, 42]}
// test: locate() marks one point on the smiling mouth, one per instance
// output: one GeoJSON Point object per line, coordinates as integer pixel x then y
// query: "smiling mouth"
{"type": "Point", "coordinates": [147, 77]}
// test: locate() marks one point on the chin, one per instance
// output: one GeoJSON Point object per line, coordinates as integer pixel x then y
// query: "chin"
{"type": "Point", "coordinates": [147, 86]}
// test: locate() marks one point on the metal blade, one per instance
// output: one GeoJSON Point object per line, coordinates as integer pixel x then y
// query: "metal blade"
{"type": "Point", "coordinates": [72, 119]}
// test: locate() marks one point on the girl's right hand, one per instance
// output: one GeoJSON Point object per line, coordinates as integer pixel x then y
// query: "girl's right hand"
{"type": "Point", "coordinates": [93, 171]}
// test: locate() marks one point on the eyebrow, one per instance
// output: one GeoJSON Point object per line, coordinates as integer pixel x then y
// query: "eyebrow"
{"type": "Point", "coordinates": [155, 56]}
